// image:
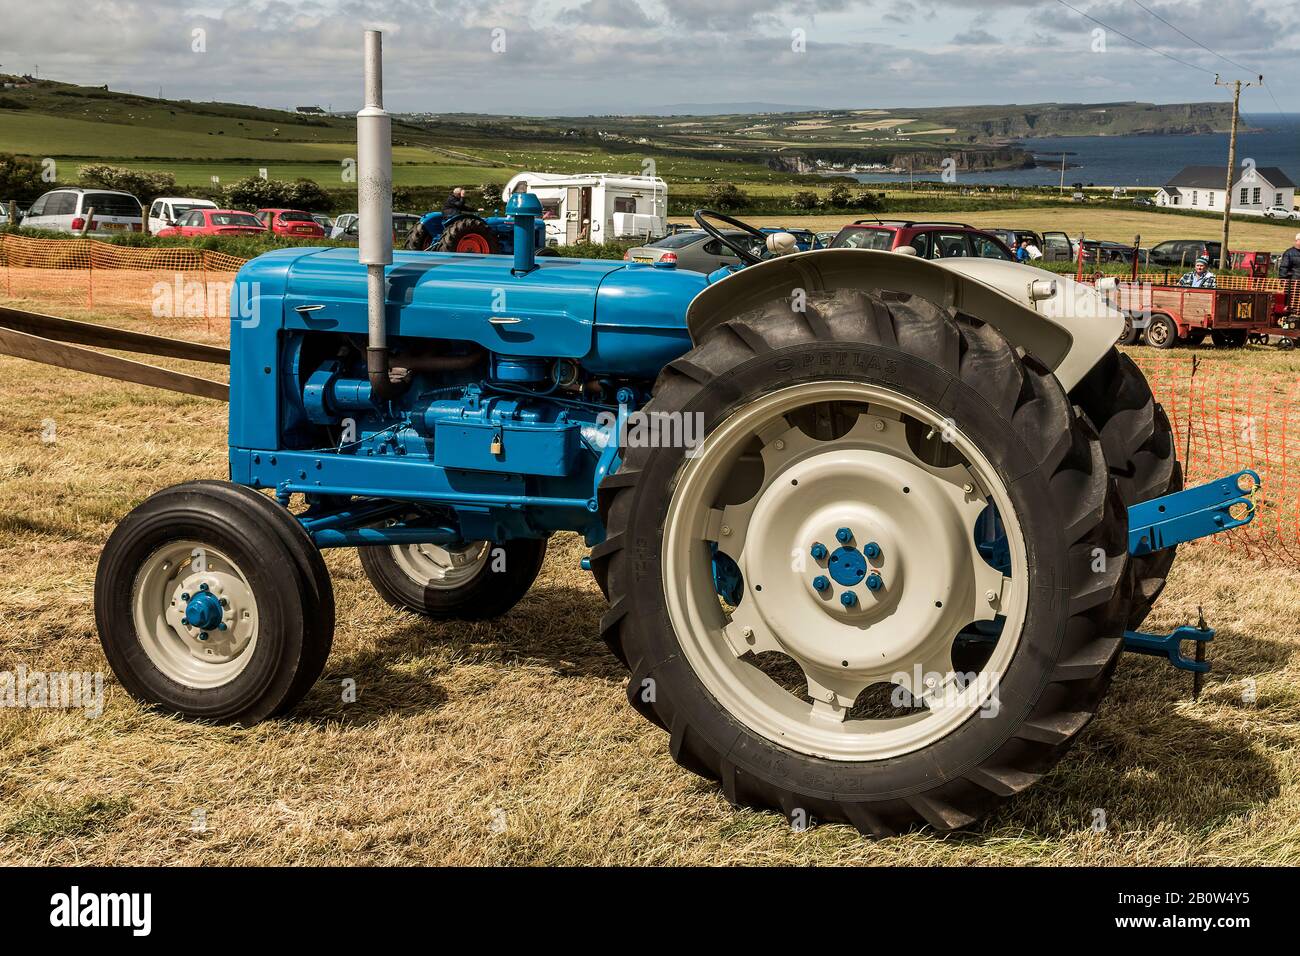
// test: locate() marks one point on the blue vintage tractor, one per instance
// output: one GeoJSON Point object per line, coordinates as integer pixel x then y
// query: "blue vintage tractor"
{"type": "Point", "coordinates": [481, 235]}
{"type": "Point", "coordinates": [861, 519]}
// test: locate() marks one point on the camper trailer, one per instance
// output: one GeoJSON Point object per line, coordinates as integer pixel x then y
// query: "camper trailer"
{"type": "Point", "coordinates": [596, 207]}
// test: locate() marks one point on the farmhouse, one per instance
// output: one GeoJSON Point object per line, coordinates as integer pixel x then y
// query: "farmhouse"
{"type": "Point", "coordinates": [1255, 189]}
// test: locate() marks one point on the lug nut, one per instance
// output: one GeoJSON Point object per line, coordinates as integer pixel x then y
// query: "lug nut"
{"type": "Point", "coordinates": [844, 536]}
{"type": "Point", "coordinates": [185, 597]}
{"type": "Point", "coordinates": [848, 599]}
{"type": "Point", "coordinates": [203, 635]}
{"type": "Point", "coordinates": [818, 551]}
{"type": "Point", "coordinates": [872, 550]}
{"type": "Point", "coordinates": [874, 582]}
{"type": "Point", "coordinates": [821, 583]}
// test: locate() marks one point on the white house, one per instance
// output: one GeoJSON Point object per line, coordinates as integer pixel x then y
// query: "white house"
{"type": "Point", "coordinates": [1255, 189]}
{"type": "Point", "coordinates": [596, 206]}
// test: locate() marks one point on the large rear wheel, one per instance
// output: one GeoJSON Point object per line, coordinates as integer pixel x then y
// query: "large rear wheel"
{"type": "Point", "coordinates": [1140, 450]}
{"type": "Point", "coordinates": [469, 234]}
{"type": "Point", "coordinates": [812, 603]}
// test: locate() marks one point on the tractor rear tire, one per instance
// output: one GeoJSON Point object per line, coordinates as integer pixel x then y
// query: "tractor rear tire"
{"type": "Point", "coordinates": [1140, 450]}
{"type": "Point", "coordinates": [469, 234]}
{"type": "Point", "coordinates": [1029, 452]}
{"type": "Point", "coordinates": [478, 582]}
{"type": "Point", "coordinates": [213, 541]}
{"type": "Point", "coordinates": [418, 239]}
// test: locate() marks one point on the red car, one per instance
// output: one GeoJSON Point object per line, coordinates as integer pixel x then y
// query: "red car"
{"type": "Point", "coordinates": [215, 222]}
{"type": "Point", "coordinates": [931, 240]}
{"type": "Point", "coordinates": [291, 222]}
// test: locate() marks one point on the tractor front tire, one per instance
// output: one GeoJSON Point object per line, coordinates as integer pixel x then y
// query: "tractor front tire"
{"type": "Point", "coordinates": [469, 234]}
{"type": "Point", "coordinates": [1140, 450]}
{"type": "Point", "coordinates": [211, 602]}
{"type": "Point", "coordinates": [478, 581]}
{"type": "Point", "coordinates": [882, 427]}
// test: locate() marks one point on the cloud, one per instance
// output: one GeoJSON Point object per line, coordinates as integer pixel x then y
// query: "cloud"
{"type": "Point", "coordinates": [580, 56]}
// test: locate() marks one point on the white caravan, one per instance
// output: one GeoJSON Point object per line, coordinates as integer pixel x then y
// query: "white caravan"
{"type": "Point", "coordinates": [596, 207]}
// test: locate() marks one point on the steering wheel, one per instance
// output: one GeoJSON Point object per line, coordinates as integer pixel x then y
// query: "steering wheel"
{"type": "Point", "coordinates": [702, 217]}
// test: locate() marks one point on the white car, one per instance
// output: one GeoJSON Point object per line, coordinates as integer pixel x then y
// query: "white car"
{"type": "Point", "coordinates": [341, 225]}
{"type": "Point", "coordinates": [90, 212]}
{"type": "Point", "coordinates": [166, 211]}
{"type": "Point", "coordinates": [1280, 212]}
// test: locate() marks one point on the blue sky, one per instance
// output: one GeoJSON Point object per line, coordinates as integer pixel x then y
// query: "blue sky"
{"type": "Point", "coordinates": [598, 56]}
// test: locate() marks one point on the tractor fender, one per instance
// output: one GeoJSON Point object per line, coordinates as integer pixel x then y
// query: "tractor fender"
{"type": "Point", "coordinates": [1067, 325]}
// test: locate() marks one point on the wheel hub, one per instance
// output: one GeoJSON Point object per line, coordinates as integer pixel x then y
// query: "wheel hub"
{"type": "Point", "coordinates": [210, 612]}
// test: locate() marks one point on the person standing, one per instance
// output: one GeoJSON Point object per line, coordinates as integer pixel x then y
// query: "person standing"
{"type": "Point", "coordinates": [1288, 267]}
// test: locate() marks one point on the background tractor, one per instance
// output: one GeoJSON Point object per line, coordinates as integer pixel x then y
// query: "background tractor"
{"type": "Point", "coordinates": [871, 528]}
{"type": "Point", "coordinates": [483, 235]}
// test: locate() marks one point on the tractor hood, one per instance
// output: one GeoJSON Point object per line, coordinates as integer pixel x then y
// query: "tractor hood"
{"type": "Point", "coordinates": [550, 311]}
{"type": "Point", "coordinates": [1068, 326]}
{"type": "Point", "coordinates": [619, 317]}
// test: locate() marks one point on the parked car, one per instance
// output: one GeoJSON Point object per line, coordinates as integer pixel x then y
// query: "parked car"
{"type": "Point", "coordinates": [931, 240]}
{"type": "Point", "coordinates": [1102, 251]}
{"type": "Point", "coordinates": [403, 223]}
{"type": "Point", "coordinates": [695, 250]}
{"type": "Point", "coordinates": [1011, 237]}
{"type": "Point", "coordinates": [342, 224]}
{"type": "Point", "coordinates": [1058, 247]}
{"type": "Point", "coordinates": [291, 222]}
{"type": "Point", "coordinates": [805, 239]}
{"type": "Point", "coordinates": [215, 222]}
{"type": "Point", "coordinates": [325, 222]}
{"type": "Point", "coordinates": [69, 210]}
{"type": "Point", "coordinates": [167, 211]}
{"type": "Point", "coordinates": [1182, 253]}
{"type": "Point", "coordinates": [1281, 212]}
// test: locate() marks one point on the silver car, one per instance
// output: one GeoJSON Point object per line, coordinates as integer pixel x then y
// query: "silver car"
{"type": "Point", "coordinates": [696, 250]}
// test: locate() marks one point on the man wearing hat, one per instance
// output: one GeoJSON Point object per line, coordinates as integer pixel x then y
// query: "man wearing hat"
{"type": "Point", "coordinates": [1200, 277]}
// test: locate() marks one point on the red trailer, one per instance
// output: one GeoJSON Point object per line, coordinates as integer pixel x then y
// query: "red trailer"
{"type": "Point", "coordinates": [1241, 309]}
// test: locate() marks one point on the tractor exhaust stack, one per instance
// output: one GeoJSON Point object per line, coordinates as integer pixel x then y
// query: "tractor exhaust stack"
{"type": "Point", "coordinates": [375, 210]}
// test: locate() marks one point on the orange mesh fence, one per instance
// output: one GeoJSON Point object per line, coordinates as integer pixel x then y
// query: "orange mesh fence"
{"type": "Point", "coordinates": [1227, 418]}
{"type": "Point", "coordinates": [168, 282]}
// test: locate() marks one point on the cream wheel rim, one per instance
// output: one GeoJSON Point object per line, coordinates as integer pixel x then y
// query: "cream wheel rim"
{"type": "Point", "coordinates": [930, 578]}
{"type": "Point", "coordinates": [435, 566]}
{"type": "Point", "coordinates": [195, 614]}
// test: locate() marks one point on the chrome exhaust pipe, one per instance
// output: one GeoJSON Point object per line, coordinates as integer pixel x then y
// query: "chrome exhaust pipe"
{"type": "Point", "coordinates": [375, 212]}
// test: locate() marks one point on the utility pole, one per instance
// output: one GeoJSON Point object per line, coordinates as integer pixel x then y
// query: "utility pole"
{"type": "Point", "coordinates": [1225, 257]}
{"type": "Point", "coordinates": [1062, 172]}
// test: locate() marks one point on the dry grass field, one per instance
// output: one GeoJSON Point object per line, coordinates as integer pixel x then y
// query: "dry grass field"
{"type": "Point", "coordinates": [509, 742]}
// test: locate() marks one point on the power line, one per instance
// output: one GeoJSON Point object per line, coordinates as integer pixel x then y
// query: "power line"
{"type": "Point", "coordinates": [1106, 26]}
{"type": "Point", "coordinates": [1225, 59]}
{"type": "Point", "coordinates": [1192, 39]}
